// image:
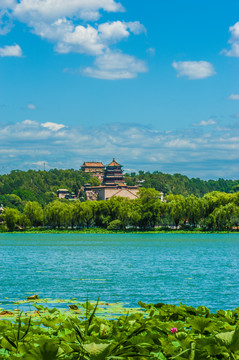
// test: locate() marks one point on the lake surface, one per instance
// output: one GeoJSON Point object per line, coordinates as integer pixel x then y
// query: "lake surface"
{"type": "Point", "coordinates": [200, 269]}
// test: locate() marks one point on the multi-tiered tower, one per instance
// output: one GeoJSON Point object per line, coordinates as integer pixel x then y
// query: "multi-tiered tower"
{"type": "Point", "coordinates": [114, 175]}
{"type": "Point", "coordinates": [113, 185]}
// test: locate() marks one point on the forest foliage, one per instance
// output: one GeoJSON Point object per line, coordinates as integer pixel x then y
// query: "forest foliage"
{"type": "Point", "coordinates": [178, 184]}
{"type": "Point", "coordinates": [30, 200]}
{"type": "Point", "coordinates": [215, 211]}
{"type": "Point", "coordinates": [42, 186]}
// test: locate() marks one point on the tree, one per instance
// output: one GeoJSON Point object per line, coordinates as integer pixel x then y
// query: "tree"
{"type": "Point", "coordinates": [150, 205]}
{"type": "Point", "coordinates": [176, 208]}
{"type": "Point", "coordinates": [24, 221]}
{"type": "Point", "coordinates": [94, 181]}
{"type": "Point", "coordinates": [33, 211]}
{"type": "Point", "coordinates": [215, 199]}
{"type": "Point", "coordinates": [114, 225]}
{"type": "Point", "coordinates": [57, 214]}
{"type": "Point", "coordinates": [102, 216]}
{"type": "Point", "coordinates": [11, 218]}
{"type": "Point", "coordinates": [223, 217]}
{"type": "Point", "coordinates": [86, 214]}
{"type": "Point", "coordinates": [193, 210]}
{"type": "Point", "coordinates": [120, 208]}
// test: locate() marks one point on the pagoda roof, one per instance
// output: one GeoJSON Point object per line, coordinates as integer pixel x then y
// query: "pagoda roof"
{"type": "Point", "coordinates": [93, 164]}
{"type": "Point", "coordinates": [114, 163]}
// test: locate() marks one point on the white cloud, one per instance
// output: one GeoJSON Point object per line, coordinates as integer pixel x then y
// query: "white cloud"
{"type": "Point", "coordinates": [115, 66]}
{"type": "Point", "coordinates": [53, 126]}
{"type": "Point", "coordinates": [178, 143]}
{"type": "Point", "coordinates": [234, 41]}
{"type": "Point", "coordinates": [194, 70]}
{"type": "Point", "coordinates": [44, 164]}
{"type": "Point", "coordinates": [235, 31]}
{"type": "Point", "coordinates": [198, 150]}
{"type": "Point", "coordinates": [114, 31]}
{"type": "Point", "coordinates": [12, 50]}
{"type": "Point", "coordinates": [29, 122]}
{"type": "Point", "coordinates": [59, 22]}
{"type": "Point", "coordinates": [117, 30]}
{"type": "Point", "coordinates": [70, 38]}
{"type": "Point", "coordinates": [50, 10]}
{"type": "Point", "coordinates": [136, 27]}
{"type": "Point", "coordinates": [234, 97]}
{"type": "Point", "coordinates": [208, 122]}
{"type": "Point", "coordinates": [84, 39]}
{"type": "Point", "coordinates": [31, 106]}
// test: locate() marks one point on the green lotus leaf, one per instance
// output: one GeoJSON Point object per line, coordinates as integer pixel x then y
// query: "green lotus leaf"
{"type": "Point", "coordinates": [47, 351]}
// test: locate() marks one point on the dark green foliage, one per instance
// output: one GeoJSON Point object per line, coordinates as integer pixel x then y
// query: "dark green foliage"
{"type": "Point", "coordinates": [178, 184]}
{"type": "Point", "coordinates": [40, 186]}
{"type": "Point", "coordinates": [190, 203]}
{"type": "Point", "coordinates": [214, 212]}
{"type": "Point", "coordinates": [160, 331]}
{"type": "Point", "coordinates": [114, 225]}
{"type": "Point", "coordinates": [11, 217]}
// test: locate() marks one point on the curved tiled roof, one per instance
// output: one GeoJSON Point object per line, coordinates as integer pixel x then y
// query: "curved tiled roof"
{"type": "Point", "coordinates": [114, 163]}
{"type": "Point", "coordinates": [93, 164]}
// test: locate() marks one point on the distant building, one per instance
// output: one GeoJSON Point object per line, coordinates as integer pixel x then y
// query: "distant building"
{"type": "Point", "coordinates": [97, 169]}
{"type": "Point", "coordinates": [62, 193]}
{"type": "Point", "coordinates": [65, 194]}
{"type": "Point", "coordinates": [113, 185]}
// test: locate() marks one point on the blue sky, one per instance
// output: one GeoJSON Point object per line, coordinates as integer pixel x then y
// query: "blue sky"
{"type": "Point", "coordinates": [153, 83]}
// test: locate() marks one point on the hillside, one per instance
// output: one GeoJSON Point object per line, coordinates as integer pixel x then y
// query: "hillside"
{"type": "Point", "coordinates": [41, 186]}
{"type": "Point", "coordinates": [178, 184]}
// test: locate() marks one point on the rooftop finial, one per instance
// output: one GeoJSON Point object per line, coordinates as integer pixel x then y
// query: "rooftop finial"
{"type": "Point", "coordinates": [114, 159]}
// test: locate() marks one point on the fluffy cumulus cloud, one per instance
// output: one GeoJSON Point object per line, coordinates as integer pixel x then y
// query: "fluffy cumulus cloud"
{"type": "Point", "coordinates": [194, 70]}
{"type": "Point", "coordinates": [49, 10]}
{"type": "Point", "coordinates": [116, 66]}
{"type": "Point", "coordinates": [64, 23]}
{"type": "Point", "coordinates": [234, 41]}
{"type": "Point", "coordinates": [200, 151]}
{"type": "Point", "coordinates": [53, 126]}
{"type": "Point", "coordinates": [11, 50]}
{"type": "Point", "coordinates": [88, 39]}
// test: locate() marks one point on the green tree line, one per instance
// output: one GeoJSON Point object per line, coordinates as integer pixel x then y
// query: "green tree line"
{"type": "Point", "coordinates": [215, 211]}
{"type": "Point", "coordinates": [18, 187]}
{"type": "Point", "coordinates": [178, 184]}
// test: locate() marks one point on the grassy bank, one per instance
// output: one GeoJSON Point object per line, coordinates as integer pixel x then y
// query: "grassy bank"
{"type": "Point", "coordinates": [106, 231]}
{"type": "Point", "coordinates": [95, 332]}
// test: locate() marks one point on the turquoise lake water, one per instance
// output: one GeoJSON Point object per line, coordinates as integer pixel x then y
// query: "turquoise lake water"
{"type": "Point", "coordinates": [200, 269]}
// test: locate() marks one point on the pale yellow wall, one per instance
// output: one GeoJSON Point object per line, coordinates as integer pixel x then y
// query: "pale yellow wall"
{"type": "Point", "coordinates": [62, 195]}
{"type": "Point", "coordinates": [108, 193]}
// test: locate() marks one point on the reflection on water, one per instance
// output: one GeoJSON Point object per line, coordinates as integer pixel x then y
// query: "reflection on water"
{"type": "Point", "coordinates": [198, 269]}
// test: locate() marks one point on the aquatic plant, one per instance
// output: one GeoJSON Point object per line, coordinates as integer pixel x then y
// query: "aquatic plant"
{"type": "Point", "coordinates": [96, 332]}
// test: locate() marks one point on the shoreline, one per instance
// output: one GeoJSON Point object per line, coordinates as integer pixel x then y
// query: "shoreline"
{"type": "Point", "coordinates": [105, 231]}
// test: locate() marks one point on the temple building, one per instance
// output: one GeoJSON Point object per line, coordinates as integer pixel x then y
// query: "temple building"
{"type": "Point", "coordinates": [113, 185]}
{"type": "Point", "coordinates": [97, 169]}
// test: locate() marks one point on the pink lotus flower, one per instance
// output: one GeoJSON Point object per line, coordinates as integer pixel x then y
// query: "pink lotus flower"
{"type": "Point", "coordinates": [173, 330]}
